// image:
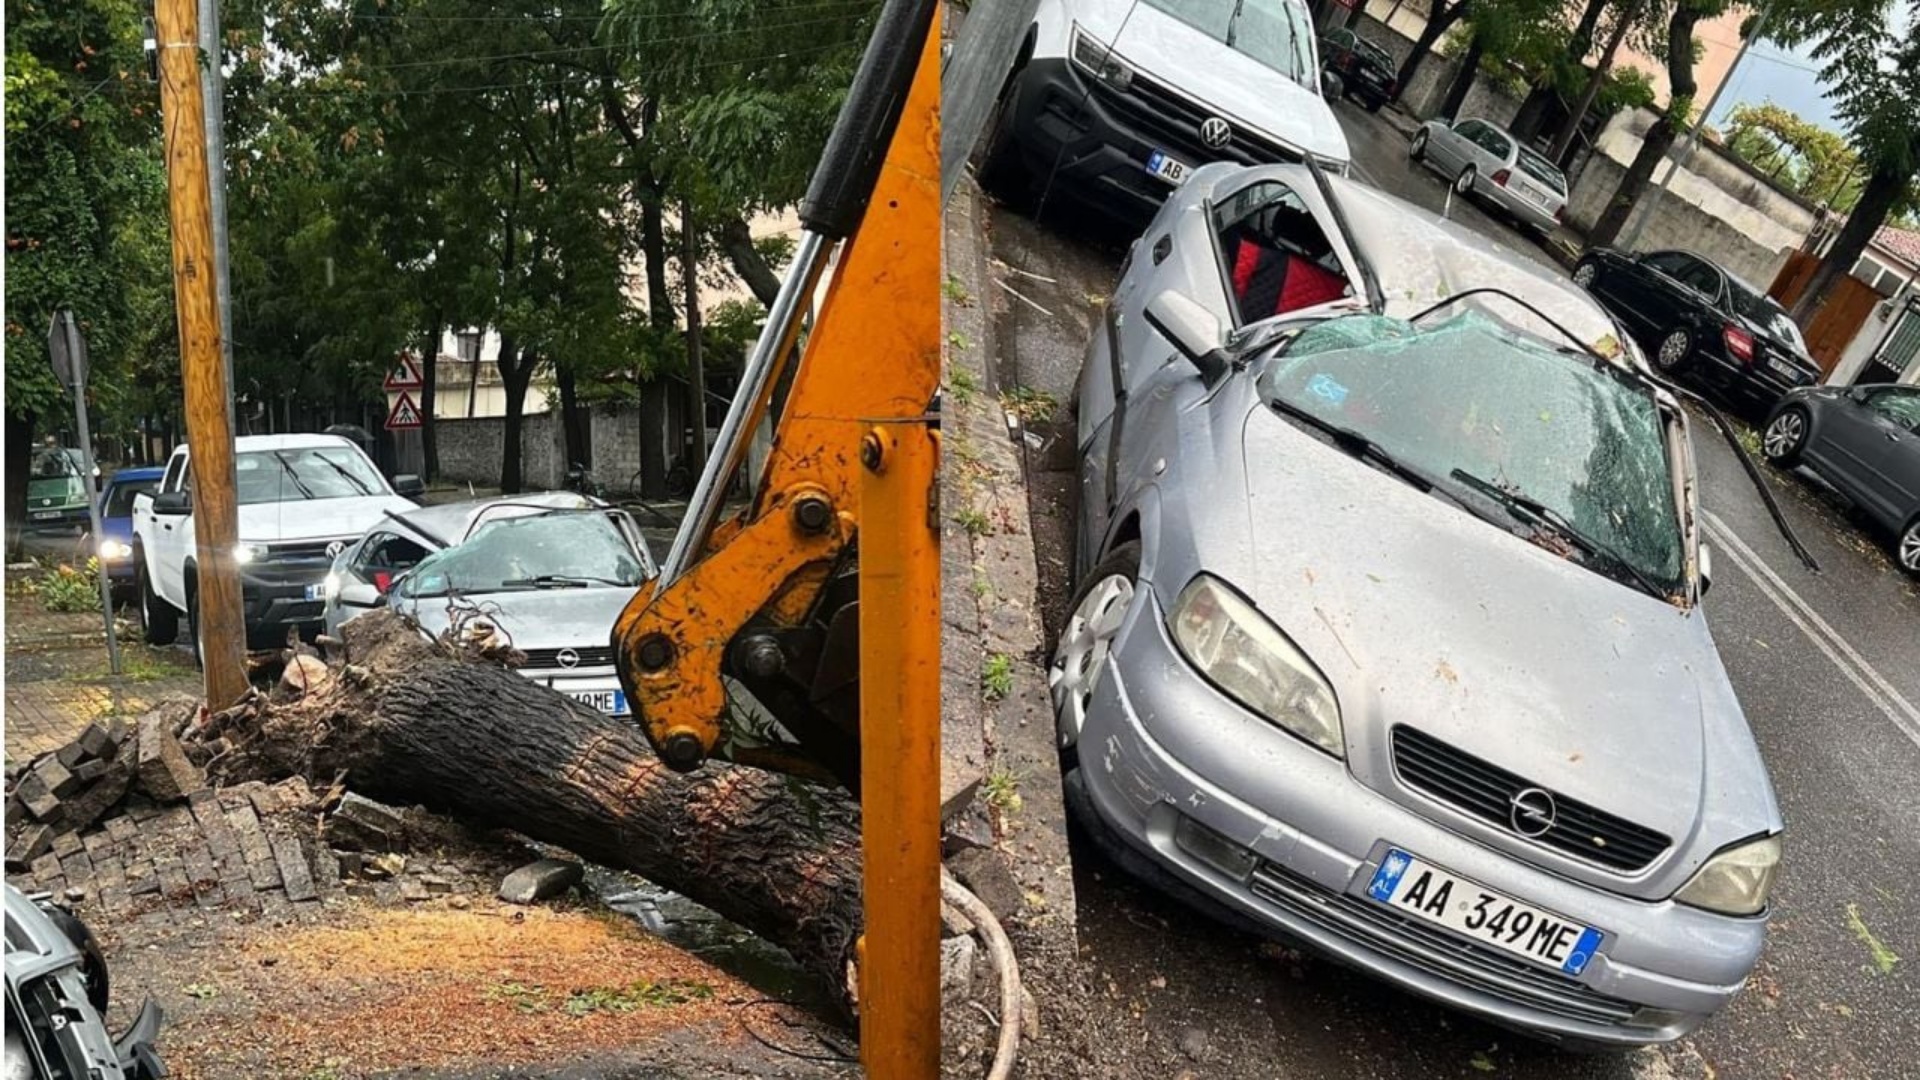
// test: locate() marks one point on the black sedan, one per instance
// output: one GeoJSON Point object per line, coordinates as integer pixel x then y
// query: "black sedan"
{"type": "Point", "coordinates": [1865, 441]}
{"type": "Point", "coordinates": [1694, 318]}
{"type": "Point", "coordinates": [1366, 71]}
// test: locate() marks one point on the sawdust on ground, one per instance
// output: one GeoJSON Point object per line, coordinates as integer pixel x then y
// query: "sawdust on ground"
{"type": "Point", "coordinates": [430, 988]}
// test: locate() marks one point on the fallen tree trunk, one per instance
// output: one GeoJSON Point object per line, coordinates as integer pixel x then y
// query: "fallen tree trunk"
{"type": "Point", "coordinates": [414, 722]}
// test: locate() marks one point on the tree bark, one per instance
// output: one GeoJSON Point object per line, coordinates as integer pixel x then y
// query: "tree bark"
{"type": "Point", "coordinates": [514, 377]}
{"type": "Point", "coordinates": [1661, 135]}
{"type": "Point", "coordinates": [696, 370]}
{"type": "Point", "coordinates": [1464, 77]}
{"type": "Point", "coordinates": [1533, 111]}
{"type": "Point", "coordinates": [573, 420]}
{"type": "Point", "coordinates": [412, 722]}
{"type": "Point", "coordinates": [1439, 21]}
{"type": "Point", "coordinates": [737, 241]}
{"type": "Point", "coordinates": [429, 385]}
{"type": "Point", "coordinates": [1884, 188]}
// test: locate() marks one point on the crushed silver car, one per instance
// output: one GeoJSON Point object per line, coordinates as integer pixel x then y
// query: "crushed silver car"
{"type": "Point", "coordinates": [57, 995]}
{"type": "Point", "coordinates": [545, 574]}
{"type": "Point", "coordinates": [1387, 635]}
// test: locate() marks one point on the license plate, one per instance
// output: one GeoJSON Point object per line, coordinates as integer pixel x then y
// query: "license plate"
{"type": "Point", "coordinates": [1781, 367]}
{"type": "Point", "coordinates": [1168, 168]}
{"type": "Point", "coordinates": [44, 515]}
{"type": "Point", "coordinates": [1426, 892]}
{"type": "Point", "coordinates": [611, 702]}
{"type": "Point", "coordinates": [317, 592]}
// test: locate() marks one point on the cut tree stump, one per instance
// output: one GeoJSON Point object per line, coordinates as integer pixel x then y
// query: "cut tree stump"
{"type": "Point", "coordinates": [412, 722]}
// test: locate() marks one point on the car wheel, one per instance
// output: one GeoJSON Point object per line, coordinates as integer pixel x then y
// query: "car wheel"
{"type": "Point", "coordinates": [1785, 437]}
{"type": "Point", "coordinates": [1463, 184]}
{"type": "Point", "coordinates": [193, 623]}
{"type": "Point", "coordinates": [1087, 639]}
{"type": "Point", "coordinates": [1417, 149]}
{"type": "Point", "coordinates": [159, 622]}
{"type": "Point", "coordinates": [1585, 275]}
{"type": "Point", "coordinates": [1909, 552]}
{"type": "Point", "coordinates": [1675, 348]}
{"type": "Point", "coordinates": [1002, 172]}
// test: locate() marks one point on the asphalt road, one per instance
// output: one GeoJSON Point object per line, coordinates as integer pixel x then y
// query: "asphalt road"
{"type": "Point", "coordinates": [1827, 667]}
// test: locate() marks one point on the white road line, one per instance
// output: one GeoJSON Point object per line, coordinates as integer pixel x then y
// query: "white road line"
{"type": "Point", "coordinates": [1848, 660]}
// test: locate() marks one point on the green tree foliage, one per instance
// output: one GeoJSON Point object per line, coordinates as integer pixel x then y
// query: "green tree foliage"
{"type": "Point", "coordinates": [85, 201]}
{"type": "Point", "coordinates": [1801, 156]}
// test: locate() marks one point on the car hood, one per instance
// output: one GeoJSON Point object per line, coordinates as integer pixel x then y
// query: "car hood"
{"type": "Point", "coordinates": [1241, 89]}
{"type": "Point", "coordinates": [316, 519]}
{"type": "Point", "coordinates": [539, 619]}
{"type": "Point", "coordinates": [1421, 614]}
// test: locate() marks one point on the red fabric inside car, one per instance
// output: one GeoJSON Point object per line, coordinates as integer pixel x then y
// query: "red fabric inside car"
{"type": "Point", "coordinates": [1269, 282]}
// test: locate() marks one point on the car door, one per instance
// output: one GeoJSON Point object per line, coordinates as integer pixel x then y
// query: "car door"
{"type": "Point", "coordinates": [168, 535]}
{"type": "Point", "coordinates": [1446, 147]}
{"type": "Point", "coordinates": [1653, 289]}
{"type": "Point", "coordinates": [1873, 443]}
{"type": "Point", "coordinates": [1702, 291]}
{"type": "Point", "coordinates": [1491, 150]}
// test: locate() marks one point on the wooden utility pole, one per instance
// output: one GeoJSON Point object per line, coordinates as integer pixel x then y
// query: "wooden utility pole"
{"type": "Point", "coordinates": [214, 594]}
{"type": "Point", "coordinates": [696, 371]}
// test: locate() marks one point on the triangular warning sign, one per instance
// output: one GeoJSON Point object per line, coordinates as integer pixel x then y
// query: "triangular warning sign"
{"type": "Point", "coordinates": [405, 414]}
{"type": "Point", "coordinates": [405, 375]}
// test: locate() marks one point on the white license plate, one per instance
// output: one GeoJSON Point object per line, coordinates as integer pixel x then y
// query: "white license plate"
{"type": "Point", "coordinates": [611, 702]}
{"type": "Point", "coordinates": [1426, 892]}
{"type": "Point", "coordinates": [1784, 368]}
{"type": "Point", "coordinates": [317, 592]}
{"type": "Point", "coordinates": [44, 515]}
{"type": "Point", "coordinates": [1168, 168]}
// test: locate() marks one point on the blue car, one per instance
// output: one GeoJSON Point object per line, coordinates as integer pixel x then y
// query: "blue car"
{"type": "Point", "coordinates": [115, 544]}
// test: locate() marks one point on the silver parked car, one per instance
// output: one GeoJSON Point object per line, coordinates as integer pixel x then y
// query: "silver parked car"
{"type": "Point", "coordinates": [1484, 161]}
{"type": "Point", "coordinates": [57, 1001]}
{"type": "Point", "coordinates": [1864, 440]}
{"type": "Point", "coordinates": [1387, 633]}
{"type": "Point", "coordinates": [546, 574]}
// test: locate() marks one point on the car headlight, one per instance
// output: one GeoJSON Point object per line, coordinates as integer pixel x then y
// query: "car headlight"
{"type": "Point", "coordinates": [1099, 59]}
{"type": "Point", "coordinates": [113, 550]}
{"type": "Point", "coordinates": [1249, 659]}
{"type": "Point", "coordinates": [246, 553]}
{"type": "Point", "coordinates": [1735, 881]}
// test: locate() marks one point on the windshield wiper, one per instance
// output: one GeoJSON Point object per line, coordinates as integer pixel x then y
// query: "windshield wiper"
{"type": "Point", "coordinates": [359, 484]}
{"type": "Point", "coordinates": [287, 467]}
{"type": "Point", "coordinates": [1364, 448]}
{"type": "Point", "coordinates": [1528, 508]}
{"type": "Point", "coordinates": [561, 581]}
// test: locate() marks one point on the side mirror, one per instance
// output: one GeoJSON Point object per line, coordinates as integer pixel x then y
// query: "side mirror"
{"type": "Point", "coordinates": [1331, 85]}
{"type": "Point", "coordinates": [173, 503]}
{"type": "Point", "coordinates": [409, 486]}
{"type": "Point", "coordinates": [1193, 330]}
{"type": "Point", "coordinates": [1706, 569]}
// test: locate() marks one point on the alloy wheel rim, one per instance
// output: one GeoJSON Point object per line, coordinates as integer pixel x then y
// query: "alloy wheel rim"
{"type": "Point", "coordinates": [1085, 643]}
{"type": "Point", "coordinates": [1673, 348]}
{"type": "Point", "coordinates": [1419, 144]}
{"type": "Point", "coordinates": [1910, 547]}
{"type": "Point", "coordinates": [1783, 434]}
{"type": "Point", "coordinates": [1583, 276]}
{"type": "Point", "coordinates": [1465, 183]}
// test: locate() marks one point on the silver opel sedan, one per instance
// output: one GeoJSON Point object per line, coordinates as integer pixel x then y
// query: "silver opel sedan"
{"type": "Point", "coordinates": [1387, 635]}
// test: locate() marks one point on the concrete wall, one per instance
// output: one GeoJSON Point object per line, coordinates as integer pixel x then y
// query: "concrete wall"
{"type": "Point", "coordinates": [1716, 206]}
{"type": "Point", "coordinates": [470, 449]}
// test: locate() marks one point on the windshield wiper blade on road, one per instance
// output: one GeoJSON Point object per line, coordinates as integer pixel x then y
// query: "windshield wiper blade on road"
{"type": "Point", "coordinates": [1364, 448]}
{"type": "Point", "coordinates": [1540, 514]}
{"type": "Point", "coordinates": [287, 467]}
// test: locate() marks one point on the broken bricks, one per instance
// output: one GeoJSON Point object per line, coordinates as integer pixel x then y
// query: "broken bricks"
{"type": "Point", "coordinates": [359, 822]}
{"type": "Point", "coordinates": [162, 766]}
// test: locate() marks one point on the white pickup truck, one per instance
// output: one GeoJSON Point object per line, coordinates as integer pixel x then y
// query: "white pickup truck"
{"type": "Point", "coordinates": [302, 499]}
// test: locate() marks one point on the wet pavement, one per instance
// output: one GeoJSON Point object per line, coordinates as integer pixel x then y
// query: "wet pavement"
{"type": "Point", "coordinates": [1826, 665]}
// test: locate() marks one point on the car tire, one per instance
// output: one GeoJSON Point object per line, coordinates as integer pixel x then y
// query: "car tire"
{"type": "Point", "coordinates": [1907, 551]}
{"type": "Point", "coordinates": [1463, 184]}
{"type": "Point", "coordinates": [1586, 274]}
{"type": "Point", "coordinates": [1094, 617]}
{"type": "Point", "coordinates": [193, 623]}
{"type": "Point", "coordinates": [1673, 352]}
{"type": "Point", "coordinates": [1785, 436]}
{"type": "Point", "coordinates": [1003, 174]}
{"type": "Point", "coordinates": [159, 622]}
{"type": "Point", "coordinates": [1417, 149]}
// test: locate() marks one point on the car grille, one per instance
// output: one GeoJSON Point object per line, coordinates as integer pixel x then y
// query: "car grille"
{"type": "Point", "coordinates": [302, 550]}
{"type": "Point", "coordinates": [1437, 952]}
{"type": "Point", "coordinates": [591, 656]}
{"type": "Point", "coordinates": [1172, 122]}
{"type": "Point", "coordinates": [1484, 790]}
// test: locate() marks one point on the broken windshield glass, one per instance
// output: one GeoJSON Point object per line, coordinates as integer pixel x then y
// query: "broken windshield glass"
{"type": "Point", "coordinates": [1469, 394]}
{"type": "Point", "coordinates": [557, 550]}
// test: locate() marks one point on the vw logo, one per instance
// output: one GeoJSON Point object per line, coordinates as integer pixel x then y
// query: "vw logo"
{"type": "Point", "coordinates": [1215, 132]}
{"type": "Point", "coordinates": [1532, 812]}
{"type": "Point", "coordinates": [334, 549]}
{"type": "Point", "coordinates": [568, 658]}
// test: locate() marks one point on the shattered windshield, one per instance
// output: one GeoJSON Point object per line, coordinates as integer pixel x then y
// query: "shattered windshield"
{"type": "Point", "coordinates": [1470, 395]}
{"type": "Point", "coordinates": [307, 472]}
{"type": "Point", "coordinates": [1271, 31]}
{"type": "Point", "coordinates": [546, 551]}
